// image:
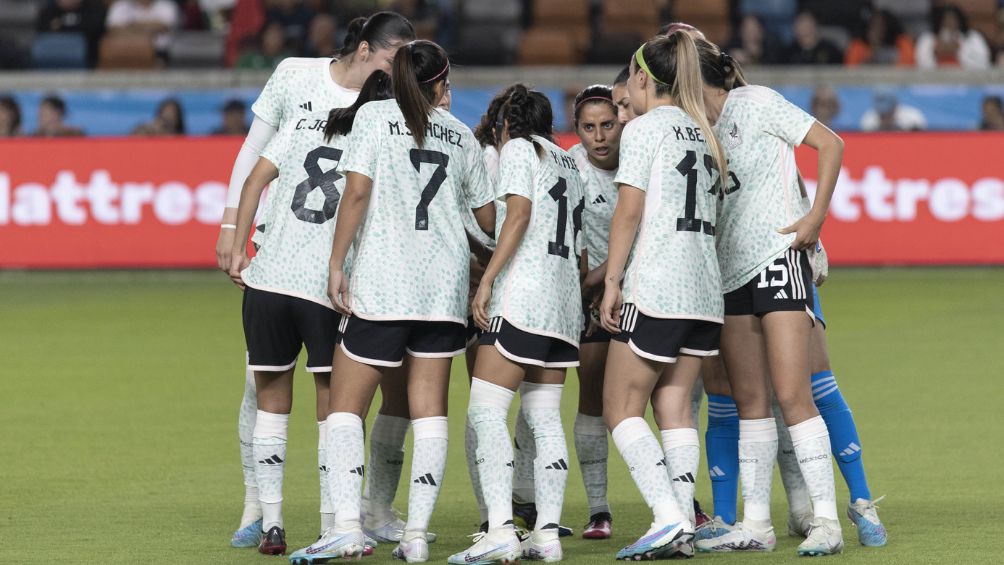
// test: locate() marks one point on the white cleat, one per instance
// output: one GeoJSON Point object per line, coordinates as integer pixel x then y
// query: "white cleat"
{"type": "Point", "coordinates": [334, 544]}
{"type": "Point", "coordinates": [500, 545]}
{"type": "Point", "coordinates": [542, 545]}
{"type": "Point", "coordinates": [864, 514]}
{"type": "Point", "coordinates": [415, 550]}
{"type": "Point", "coordinates": [799, 523]}
{"type": "Point", "coordinates": [825, 538]}
{"type": "Point", "coordinates": [742, 537]}
{"type": "Point", "coordinates": [390, 530]}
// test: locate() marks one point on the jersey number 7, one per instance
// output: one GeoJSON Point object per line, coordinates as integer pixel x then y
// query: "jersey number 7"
{"type": "Point", "coordinates": [441, 160]}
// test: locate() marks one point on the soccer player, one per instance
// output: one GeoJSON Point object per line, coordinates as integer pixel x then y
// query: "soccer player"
{"type": "Point", "coordinates": [764, 233]}
{"type": "Point", "coordinates": [285, 286]}
{"type": "Point", "coordinates": [411, 170]}
{"type": "Point", "coordinates": [298, 87]}
{"type": "Point", "coordinates": [597, 156]}
{"type": "Point", "coordinates": [621, 96]}
{"type": "Point", "coordinates": [670, 310]}
{"type": "Point", "coordinates": [529, 308]}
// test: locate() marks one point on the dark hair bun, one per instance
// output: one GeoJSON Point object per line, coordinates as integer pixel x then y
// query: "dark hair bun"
{"type": "Point", "coordinates": [352, 33]}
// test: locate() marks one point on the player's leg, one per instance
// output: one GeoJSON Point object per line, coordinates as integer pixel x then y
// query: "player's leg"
{"type": "Point", "coordinates": [322, 383]}
{"type": "Point", "coordinates": [470, 437]}
{"type": "Point", "coordinates": [721, 444]}
{"type": "Point", "coordinates": [275, 399]}
{"type": "Point", "coordinates": [524, 507]}
{"type": "Point", "coordinates": [386, 458]}
{"type": "Point", "coordinates": [797, 492]}
{"type": "Point", "coordinates": [248, 533]}
{"type": "Point", "coordinates": [590, 433]}
{"type": "Point", "coordinates": [671, 404]}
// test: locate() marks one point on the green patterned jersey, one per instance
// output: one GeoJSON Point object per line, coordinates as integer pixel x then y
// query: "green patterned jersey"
{"type": "Point", "coordinates": [601, 199]}
{"type": "Point", "coordinates": [673, 269]}
{"type": "Point", "coordinates": [293, 253]}
{"type": "Point", "coordinates": [491, 157]}
{"type": "Point", "coordinates": [412, 257]}
{"type": "Point", "coordinates": [538, 289]}
{"type": "Point", "coordinates": [759, 130]}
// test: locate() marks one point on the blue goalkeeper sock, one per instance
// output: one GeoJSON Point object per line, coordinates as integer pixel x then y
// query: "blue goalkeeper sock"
{"type": "Point", "coordinates": [722, 445]}
{"type": "Point", "coordinates": [844, 440]}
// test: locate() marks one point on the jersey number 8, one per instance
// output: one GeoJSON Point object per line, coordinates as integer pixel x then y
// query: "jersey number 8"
{"type": "Point", "coordinates": [317, 178]}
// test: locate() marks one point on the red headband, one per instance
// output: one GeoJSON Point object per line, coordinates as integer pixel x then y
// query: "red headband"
{"type": "Point", "coordinates": [441, 73]}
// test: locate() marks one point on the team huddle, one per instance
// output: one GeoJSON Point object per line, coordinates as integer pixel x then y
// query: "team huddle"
{"type": "Point", "coordinates": [673, 252]}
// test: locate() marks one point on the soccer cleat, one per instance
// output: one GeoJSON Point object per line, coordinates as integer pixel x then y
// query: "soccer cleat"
{"type": "Point", "coordinates": [273, 542]}
{"type": "Point", "coordinates": [741, 537]}
{"type": "Point", "coordinates": [542, 545]}
{"type": "Point", "coordinates": [413, 551]}
{"type": "Point", "coordinates": [660, 542]}
{"type": "Point", "coordinates": [390, 531]}
{"type": "Point", "coordinates": [825, 538]}
{"type": "Point", "coordinates": [700, 517]}
{"type": "Point", "coordinates": [333, 544]}
{"type": "Point", "coordinates": [565, 531]}
{"type": "Point", "coordinates": [799, 523]}
{"type": "Point", "coordinates": [499, 546]}
{"type": "Point", "coordinates": [600, 526]}
{"type": "Point", "coordinates": [248, 536]}
{"type": "Point", "coordinates": [863, 513]}
{"type": "Point", "coordinates": [712, 529]}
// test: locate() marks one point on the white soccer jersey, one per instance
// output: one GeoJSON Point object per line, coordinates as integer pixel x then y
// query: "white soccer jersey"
{"type": "Point", "coordinates": [491, 157]}
{"type": "Point", "coordinates": [759, 130]}
{"type": "Point", "coordinates": [538, 290]}
{"type": "Point", "coordinates": [293, 252]}
{"type": "Point", "coordinates": [601, 200]}
{"type": "Point", "coordinates": [673, 269]}
{"type": "Point", "coordinates": [412, 257]}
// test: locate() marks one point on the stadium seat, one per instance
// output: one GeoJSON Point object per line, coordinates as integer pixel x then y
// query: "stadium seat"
{"type": "Point", "coordinates": [491, 11]}
{"type": "Point", "coordinates": [561, 13]}
{"type": "Point", "coordinates": [638, 17]}
{"type": "Point", "coordinates": [126, 51]}
{"type": "Point", "coordinates": [612, 49]}
{"type": "Point", "coordinates": [196, 49]}
{"type": "Point", "coordinates": [59, 51]}
{"type": "Point", "coordinates": [837, 35]}
{"type": "Point", "coordinates": [541, 46]}
{"type": "Point", "coordinates": [487, 44]}
{"type": "Point", "coordinates": [710, 16]}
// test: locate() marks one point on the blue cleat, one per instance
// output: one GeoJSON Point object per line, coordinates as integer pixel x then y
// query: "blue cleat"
{"type": "Point", "coordinates": [659, 542]}
{"type": "Point", "coordinates": [863, 513]}
{"type": "Point", "coordinates": [248, 536]}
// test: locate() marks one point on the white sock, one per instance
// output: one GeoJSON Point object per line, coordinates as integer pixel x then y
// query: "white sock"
{"type": "Point", "coordinates": [647, 463]}
{"type": "Point", "coordinates": [757, 451]}
{"type": "Point", "coordinates": [385, 465]}
{"type": "Point", "coordinates": [345, 468]}
{"type": "Point", "coordinates": [245, 434]}
{"type": "Point", "coordinates": [269, 443]}
{"type": "Point", "coordinates": [791, 474]}
{"type": "Point", "coordinates": [327, 512]}
{"type": "Point", "coordinates": [683, 455]}
{"type": "Point", "coordinates": [471, 454]}
{"type": "Point", "coordinates": [428, 466]}
{"type": "Point", "coordinates": [541, 406]}
{"type": "Point", "coordinates": [812, 447]}
{"type": "Point", "coordinates": [591, 448]}
{"type": "Point", "coordinates": [488, 410]}
{"type": "Point", "coordinates": [524, 453]}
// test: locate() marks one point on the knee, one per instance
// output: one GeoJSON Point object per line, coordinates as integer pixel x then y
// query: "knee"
{"type": "Point", "coordinates": [541, 407]}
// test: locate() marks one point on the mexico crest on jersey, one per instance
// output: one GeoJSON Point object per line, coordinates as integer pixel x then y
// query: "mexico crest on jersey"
{"type": "Point", "coordinates": [733, 138]}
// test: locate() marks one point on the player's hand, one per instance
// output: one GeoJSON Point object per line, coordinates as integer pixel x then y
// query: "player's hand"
{"type": "Point", "coordinates": [479, 306]}
{"type": "Point", "coordinates": [238, 262]}
{"type": "Point", "coordinates": [593, 284]}
{"type": "Point", "coordinates": [338, 291]}
{"type": "Point", "coordinates": [806, 231]}
{"type": "Point", "coordinates": [224, 247]}
{"type": "Point", "coordinates": [610, 308]}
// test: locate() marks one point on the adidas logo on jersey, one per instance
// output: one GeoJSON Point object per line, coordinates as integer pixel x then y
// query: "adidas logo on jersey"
{"type": "Point", "coordinates": [781, 295]}
{"type": "Point", "coordinates": [307, 106]}
{"type": "Point", "coordinates": [558, 465]}
{"type": "Point", "coordinates": [426, 479]}
{"type": "Point", "coordinates": [687, 478]}
{"type": "Point", "coordinates": [273, 460]}
{"type": "Point", "coordinates": [599, 200]}
{"type": "Point", "coordinates": [358, 470]}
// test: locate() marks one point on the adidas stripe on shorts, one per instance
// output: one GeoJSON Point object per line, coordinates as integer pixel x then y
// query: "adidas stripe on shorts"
{"type": "Point", "coordinates": [528, 348]}
{"type": "Point", "coordinates": [784, 286]}
{"type": "Point", "coordinates": [665, 339]}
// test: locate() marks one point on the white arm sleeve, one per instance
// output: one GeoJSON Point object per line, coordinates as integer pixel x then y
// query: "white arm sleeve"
{"type": "Point", "coordinates": [258, 137]}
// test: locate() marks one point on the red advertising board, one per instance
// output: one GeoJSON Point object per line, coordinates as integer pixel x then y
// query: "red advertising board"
{"type": "Point", "coordinates": [913, 199]}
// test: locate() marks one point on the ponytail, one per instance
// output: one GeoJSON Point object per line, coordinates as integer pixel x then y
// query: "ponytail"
{"type": "Point", "coordinates": [688, 91]}
{"type": "Point", "coordinates": [418, 68]}
{"type": "Point", "coordinates": [340, 120]}
{"type": "Point", "coordinates": [381, 30]}
{"type": "Point", "coordinates": [487, 131]}
{"type": "Point", "coordinates": [528, 112]}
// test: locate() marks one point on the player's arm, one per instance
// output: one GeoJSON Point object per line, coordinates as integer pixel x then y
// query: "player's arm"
{"type": "Point", "coordinates": [263, 173]}
{"type": "Point", "coordinates": [517, 219]}
{"type": "Point", "coordinates": [831, 152]}
{"type": "Point", "coordinates": [594, 281]}
{"type": "Point", "coordinates": [623, 227]}
{"type": "Point", "coordinates": [351, 211]}
{"type": "Point", "coordinates": [482, 253]}
{"type": "Point", "coordinates": [258, 137]}
{"type": "Point", "coordinates": [485, 217]}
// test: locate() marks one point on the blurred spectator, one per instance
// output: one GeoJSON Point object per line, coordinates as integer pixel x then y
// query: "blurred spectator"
{"type": "Point", "coordinates": [999, 42]}
{"type": "Point", "coordinates": [951, 43]}
{"type": "Point", "coordinates": [271, 49]}
{"type": "Point", "coordinates": [321, 37]}
{"type": "Point", "coordinates": [234, 119]}
{"type": "Point", "coordinates": [51, 113]}
{"type": "Point", "coordinates": [10, 117]}
{"type": "Point", "coordinates": [752, 44]}
{"type": "Point", "coordinates": [294, 18]}
{"type": "Point", "coordinates": [217, 13]}
{"type": "Point", "coordinates": [169, 120]}
{"type": "Point", "coordinates": [152, 17]}
{"type": "Point", "coordinates": [247, 19]}
{"type": "Point", "coordinates": [809, 48]}
{"type": "Point", "coordinates": [192, 17]}
{"type": "Point", "coordinates": [993, 114]}
{"type": "Point", "coordinates": [888, 114]}
{"type": "Point", "coordinates": [825, 105]}
{"type": "Point", "coordinates": [86, 17]}
{"type": "Point", "coordinates": [881, 42]}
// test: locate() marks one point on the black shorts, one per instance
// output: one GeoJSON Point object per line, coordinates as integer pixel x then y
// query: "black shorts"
{"type": "Point", "coordinates": [664, 339]}
{"type": "Point", "coordinates": [599, 335]}
{"type": "Point", "coordinates": [472, 333]}
{"type": "Point", "coordinates": [384, 343]}
{"type": "Point", "coordinates": [784, 286]}
{"type": "Point", "coordinates": [276, 326]}
{"type": "Point", "coordinates": [528, 348]}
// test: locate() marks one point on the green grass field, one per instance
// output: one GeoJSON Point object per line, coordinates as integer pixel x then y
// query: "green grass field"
{"type": "Point", "coordinates": [120, 395]}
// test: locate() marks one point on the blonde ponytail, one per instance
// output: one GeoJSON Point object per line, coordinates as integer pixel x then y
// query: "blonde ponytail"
{"type": "Point", "coordinates": [688, 92]}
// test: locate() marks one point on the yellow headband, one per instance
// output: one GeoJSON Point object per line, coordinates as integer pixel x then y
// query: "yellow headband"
{"type": "Point", "coordinates": [639, 57]}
